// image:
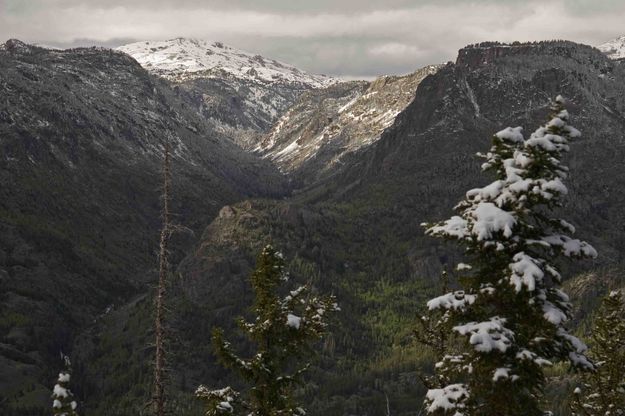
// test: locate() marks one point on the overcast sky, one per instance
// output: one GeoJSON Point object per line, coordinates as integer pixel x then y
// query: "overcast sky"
{"type": "Point", "coordinates": [353, 38]}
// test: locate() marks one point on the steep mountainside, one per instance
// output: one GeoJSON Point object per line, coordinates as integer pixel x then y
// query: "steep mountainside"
{"type": "Point", "coordinates": [80, 133]}
{"type": "Point", "coordinates": [328, 124]}
{"type": "Point", "coordinates": [240, 93]}
{"type": "Point", "coordinates": [614, 49]}
{"type": "Point", "coordinates": [81, 140]}
{"type": "Point", "coordinates": [358, 235]}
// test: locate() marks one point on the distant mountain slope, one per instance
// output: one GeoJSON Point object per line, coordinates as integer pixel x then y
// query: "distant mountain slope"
{"type": "Point", "coordinates": [614, 49]}
{"type": "Point", "coordinates": [328, 124]}
{"type": "Point", "coordinates": [358, 234]}
{"type": "Point", "coordinates": [241, 93]}
{"type": "Point", "coordinates": [81, 141]}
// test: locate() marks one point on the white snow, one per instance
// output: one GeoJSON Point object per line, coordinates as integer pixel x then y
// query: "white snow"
{"type": "Point", "coordinates": [571, 247]}
{"type": "Point", "coordinates": [576, 356]}
{"type": "Point", "coordinates": [64, 377]}
{"type": "Point", "coordinates": [501, 373]}
{"type": "Point", "coordinates": [491, 219]}
{"type": "Point", "coordinates": [488, 335]}
{"type": "Point", "coordinates": [293, 321]}
{"type": "Point", "coordinates": [225, 406]}
{"type": "Point", "coordinates": [614, 49]}
{"type": "Point", "coordinates": [554, 314]}
{"type": "Point", "coordinates": [182, 58]}
{"type": "Point", "coordinates": [60, 391]}
{"type": "Point", "coordinates": [525, 354]}
{"type": "Point", "coordinates": [525, 272]}
{"type": "Point", "coordinates": [289, 149]}
{"type": "Point", "coordinates": [447, 398]}
{"type": "Point", "coordinates": [226, 396]}
{"type": "Point", "coordinates": [487, 193]}
{"type": "Point", "coordinates": [512, 134]}
{"type": "Point", "coordinates": [463, 266]}
{"type": "Point", "coordinates": [471, 95]}
{"type": "Point", "coordinates": [454, 227]}
{"type": "Point", "coordinates": [350, 103]}
{"type": "Point", "coordinates": [454, 300]}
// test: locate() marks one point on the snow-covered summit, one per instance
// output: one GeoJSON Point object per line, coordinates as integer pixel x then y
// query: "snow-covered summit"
{"type": "Point", "coordinates": [182, 58]}
{"type": "Point", "coordinates": [614, 49]}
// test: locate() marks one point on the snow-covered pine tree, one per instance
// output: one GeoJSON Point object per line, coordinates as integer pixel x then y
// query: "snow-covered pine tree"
{"type": "Point", "coordinates": [63, 403]}
{"type": "Point", "coordinates": [603, 392]}
{"type": "Point", "coordinates": [282, 332]}
{"type": "Point", "coordinates": [510, 313]}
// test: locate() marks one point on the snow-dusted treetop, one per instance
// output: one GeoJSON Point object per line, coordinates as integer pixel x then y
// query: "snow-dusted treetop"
{"type": "Point", "coordinates": [182, 58]}
{"type": "Point", "coordinates": [614, 49]}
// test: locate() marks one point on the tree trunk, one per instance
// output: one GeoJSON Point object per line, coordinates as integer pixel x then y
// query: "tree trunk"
{"type": "Point", "coordinates": [159, 330]}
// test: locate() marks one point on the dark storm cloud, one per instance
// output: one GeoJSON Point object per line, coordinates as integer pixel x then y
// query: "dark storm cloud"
{"type": "Point", "coordinates": [348, 37]}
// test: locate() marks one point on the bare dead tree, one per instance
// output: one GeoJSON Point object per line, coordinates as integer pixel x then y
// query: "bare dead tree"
{"type": "Point", "coordinates": [159, 399]}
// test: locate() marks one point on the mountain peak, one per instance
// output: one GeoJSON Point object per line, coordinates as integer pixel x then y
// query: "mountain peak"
{"type": "Point", "coordinates": [614, 49]}
{"type": "Point", "coordinates": [15, 45]}
{"type": "Point", "coordinates": [181, 59]}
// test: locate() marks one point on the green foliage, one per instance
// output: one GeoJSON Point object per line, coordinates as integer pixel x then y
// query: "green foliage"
{"type": "Point", "coordinates": [282, 332]}
{"type": "Point", "coordinates": [603, 391]}
{"type": "Point", "coordinates": [435, 333]}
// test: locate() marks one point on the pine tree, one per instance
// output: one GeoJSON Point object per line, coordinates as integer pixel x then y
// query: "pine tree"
{"type": "Point", "coordinates": [510, 314]}
{"type": "Point", "coordinates": [283, 332]}
{"type": "Point", "coordinates": [603, 392]}
{"type": "Point", "coordinates": [433, 332]}
{"type": "Point", "coordinates": [63, 403]}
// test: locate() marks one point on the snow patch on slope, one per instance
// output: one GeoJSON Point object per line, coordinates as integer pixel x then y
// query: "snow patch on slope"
{"type": "Point", "coordinates": [614, 49]}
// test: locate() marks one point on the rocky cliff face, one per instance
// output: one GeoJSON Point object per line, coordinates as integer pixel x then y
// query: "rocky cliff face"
{"type": "Point", "coordinates": [239, 93]}
{"type": "Point", "coordinates": [326, 125]}
{"type": "Point", "coordinates": [81, 140]}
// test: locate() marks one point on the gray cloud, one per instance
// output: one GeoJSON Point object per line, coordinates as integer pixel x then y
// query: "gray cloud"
{"type": "Point", "coordinates": [357, 38]}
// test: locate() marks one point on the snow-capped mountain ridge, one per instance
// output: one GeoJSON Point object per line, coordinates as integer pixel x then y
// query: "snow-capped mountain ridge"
{"type": "Point", "coordinates": [183, 58]}
{"type": "Point", "coordinates": [241, 94]}
{"type": "Point", "coordinates": [614, 49]}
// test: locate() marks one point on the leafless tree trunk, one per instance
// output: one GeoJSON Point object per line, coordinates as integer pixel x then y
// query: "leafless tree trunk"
{"type": "Point", "coordinates": [159, 330]}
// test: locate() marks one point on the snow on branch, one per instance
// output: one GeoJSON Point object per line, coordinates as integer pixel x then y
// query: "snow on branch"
{"type": "Point", "coordinates": [448, 398]}
{"type": "Point", "coordinates": [488, 335]}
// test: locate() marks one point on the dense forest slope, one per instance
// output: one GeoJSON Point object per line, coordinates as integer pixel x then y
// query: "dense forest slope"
{"type": "Point", "coordinates": [81, 140]}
